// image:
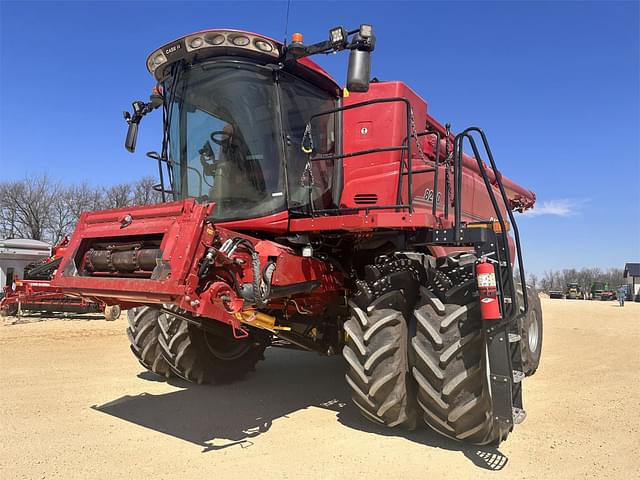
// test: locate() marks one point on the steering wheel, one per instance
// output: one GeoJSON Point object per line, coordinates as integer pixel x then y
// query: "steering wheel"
{"type": "Point", "coordinates": [220, 137]}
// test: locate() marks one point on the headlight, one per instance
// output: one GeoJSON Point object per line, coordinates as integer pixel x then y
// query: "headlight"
{"type": "Point", "coordinates": [264, 46]}
{"type": "Point", "coordinates": [196, 42]}
{"type": "Point", "coordinates": [240, 41]}
{"type": "Point", "coordinates": [214, 39]}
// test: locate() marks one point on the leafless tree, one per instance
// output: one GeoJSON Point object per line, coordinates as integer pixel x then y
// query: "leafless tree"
{"type": "Point", "coordinates": [44, 209]}
{"type": "Point", "coordinates": [26, 206]}
{"type": "Point", "coordinates": [117, 196]}
{"type": "Point", "coordinates": [144, 193]}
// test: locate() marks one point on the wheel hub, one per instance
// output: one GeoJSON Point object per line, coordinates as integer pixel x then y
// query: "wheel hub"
{"type": "Point", "coordinates": [533, 332]}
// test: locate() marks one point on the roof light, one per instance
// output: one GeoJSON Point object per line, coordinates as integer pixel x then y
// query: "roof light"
{"type": "Point", "coordinates": [337, 35]}
{"type": "Point", "coordinates": [159, 59]}
{"type": "Point", "coordinates": [196, 42]}
{"type": "Point", "coordinates": [366, 30]}
{"type": "Point", "coordinates": [264, 46]}
{"type": "Point", "coordinates": [296, 37]}
{"type": "Point", "coordinates": [206, 44]}
{"type": "Point", "coordinates": [240, 40]}
{"type": "Point", "coordinates": [214, 38]}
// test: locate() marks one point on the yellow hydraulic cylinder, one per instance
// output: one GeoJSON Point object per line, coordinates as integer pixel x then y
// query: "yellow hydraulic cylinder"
{"type": "Point", "coordinates": [260, 320]}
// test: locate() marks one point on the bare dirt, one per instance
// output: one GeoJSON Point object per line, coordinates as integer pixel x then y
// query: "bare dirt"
{"type": "Point", "coordinates": [74, 404]}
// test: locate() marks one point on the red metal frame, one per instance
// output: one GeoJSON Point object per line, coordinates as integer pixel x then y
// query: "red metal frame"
{"type": "Point", "coordinates": [41, 296]}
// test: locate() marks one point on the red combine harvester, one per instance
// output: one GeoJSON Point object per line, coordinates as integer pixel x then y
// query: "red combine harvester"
{"type": "Point", "coordinates": [35, 293]}
{"type": "Point", "coordinates": [307, 216]}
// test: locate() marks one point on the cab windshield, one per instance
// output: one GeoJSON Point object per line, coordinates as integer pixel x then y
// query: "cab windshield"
{"type": "Point", "coordinates": [227, 143]}
{"type": "Point", "coordinates": [223, 140]}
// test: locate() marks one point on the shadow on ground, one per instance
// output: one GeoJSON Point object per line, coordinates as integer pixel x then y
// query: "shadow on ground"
{"type": "Point", "coordinates": [217, 417]}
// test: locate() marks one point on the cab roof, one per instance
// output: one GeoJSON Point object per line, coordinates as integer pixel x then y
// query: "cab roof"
{"type": "Point", "coordinates": [206, 44]}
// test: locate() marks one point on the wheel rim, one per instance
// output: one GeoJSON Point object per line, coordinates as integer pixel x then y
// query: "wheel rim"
{"type": "Point", "coordinates": [224, 348]}
{"type": "Point", "coordinates": [533, 332]}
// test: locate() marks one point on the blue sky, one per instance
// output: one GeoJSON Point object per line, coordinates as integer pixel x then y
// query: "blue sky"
{"type": "Point", "coordinates": [554, 84]}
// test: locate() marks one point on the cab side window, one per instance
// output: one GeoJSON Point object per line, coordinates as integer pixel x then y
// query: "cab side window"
{"type": "Point", "coordinates": [300, 101]}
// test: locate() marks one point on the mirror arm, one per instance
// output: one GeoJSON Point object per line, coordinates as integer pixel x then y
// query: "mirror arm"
{"type": "Point", "coordinates": [296, 51]}
{"type": "Point", "coordinates": [139, 109]}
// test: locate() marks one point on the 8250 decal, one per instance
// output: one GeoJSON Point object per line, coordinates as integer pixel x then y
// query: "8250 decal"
{"type": "Point", "coordinates": [428, 196]}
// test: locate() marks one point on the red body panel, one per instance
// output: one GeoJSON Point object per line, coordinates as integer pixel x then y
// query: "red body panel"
{"type": "Point", "coordinates": [184, 238]}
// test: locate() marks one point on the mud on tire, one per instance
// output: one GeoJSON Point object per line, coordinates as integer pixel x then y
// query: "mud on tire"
{"type": "Point", "coordinates": [377, 347]}
{"type": "Point", "coordinates": [143, 332]}
{"type": "Point", "coordinates": [200, 356]}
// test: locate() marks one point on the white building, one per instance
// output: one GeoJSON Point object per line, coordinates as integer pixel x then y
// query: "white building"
{"type": "Point", "coordinates": [632, 277]}
{"type": "Point", "coordinates": [17, 253]}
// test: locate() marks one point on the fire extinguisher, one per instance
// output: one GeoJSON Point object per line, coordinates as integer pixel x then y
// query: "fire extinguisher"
{"type": "Point", "coordinates": [488, 291]}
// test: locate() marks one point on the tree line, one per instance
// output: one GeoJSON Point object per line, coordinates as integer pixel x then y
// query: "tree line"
{"type": "Point", "coordinates": [43, 208]}
{"type": "Point", "coordinates": [585, 277]}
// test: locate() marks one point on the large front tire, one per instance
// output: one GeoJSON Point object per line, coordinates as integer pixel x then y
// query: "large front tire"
{"type": "Point", "coordinates": [143, 332]}
{"type": "Point", "coordinates": [200, 356]}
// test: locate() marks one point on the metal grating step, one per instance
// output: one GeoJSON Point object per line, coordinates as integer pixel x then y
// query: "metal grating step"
{"type": "Point", "coordinates": [518, 415]}
{"type": "Point", "coordinates": [518, 376]}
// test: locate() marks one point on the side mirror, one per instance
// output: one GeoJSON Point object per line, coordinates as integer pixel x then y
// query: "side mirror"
{"type": "Point", "coordinates": [132, 137]}
{"type": "Point", "coordinates": [359, 71]}
{"type": "Point", "coordinates": [140, 109]}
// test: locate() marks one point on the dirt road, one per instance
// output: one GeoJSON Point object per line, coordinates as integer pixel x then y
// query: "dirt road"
{"type": "Point", "coordinates": [75, 404]}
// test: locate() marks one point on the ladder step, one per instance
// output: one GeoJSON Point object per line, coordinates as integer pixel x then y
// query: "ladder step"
{"type": "Point", "coordinates": [518, 415]}
{"type": "Point", "coordinates": [518, 376]}
{"type": "Point", "coordinates": [514, 338]}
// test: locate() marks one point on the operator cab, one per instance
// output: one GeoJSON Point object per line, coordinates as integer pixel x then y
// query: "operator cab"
{"type": "Point", "coordinates": [236, 109]}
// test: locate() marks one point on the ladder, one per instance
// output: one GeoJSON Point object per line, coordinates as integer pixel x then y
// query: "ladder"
{"type": "Point", "coordinates": [505, 369]}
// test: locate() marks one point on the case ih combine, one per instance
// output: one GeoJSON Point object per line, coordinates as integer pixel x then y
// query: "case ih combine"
{"type": "Point", "coordinates": [307, 216]}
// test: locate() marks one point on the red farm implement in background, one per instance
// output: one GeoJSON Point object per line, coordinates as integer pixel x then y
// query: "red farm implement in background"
{"type": "Point", "coordinates": [36, 294]}
{"type": "Point", "coordinates": [302, 215]}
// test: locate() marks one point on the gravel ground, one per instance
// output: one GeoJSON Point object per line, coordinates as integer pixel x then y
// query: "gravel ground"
{"type": "Point", "coordinates": [76, 404]}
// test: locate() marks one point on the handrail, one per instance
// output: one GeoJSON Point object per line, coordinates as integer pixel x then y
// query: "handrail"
{"type": "Point", "coordinates": [458, 150]}
{"type": "Point", "coordinates": [402, 148]}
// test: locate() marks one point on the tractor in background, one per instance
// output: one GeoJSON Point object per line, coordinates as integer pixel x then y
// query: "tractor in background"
{"type": "Point", "coordinates": [574, 291]}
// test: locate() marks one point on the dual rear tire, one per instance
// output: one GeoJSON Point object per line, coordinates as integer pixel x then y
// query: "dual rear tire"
{"type": "Point", "coordinates": [418, 350]}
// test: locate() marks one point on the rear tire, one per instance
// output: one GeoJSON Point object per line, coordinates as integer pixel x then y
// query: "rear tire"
{"type": "Point", "coordinates": [450, 364]}
{"type": "Point", "coordinates": [377, 346]}
{"type": "Point", "coordinates": [143, 331]}
{"type": "Point", "coordinates": [531, 331]}
{"type": "Point", "coordinates": [199, 356]}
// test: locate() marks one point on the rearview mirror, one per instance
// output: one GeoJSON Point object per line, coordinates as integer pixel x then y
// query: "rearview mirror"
{"type": "Point", "coordinates": [359, 71]}
{"type": "Point", "coordinates": [132, 137]}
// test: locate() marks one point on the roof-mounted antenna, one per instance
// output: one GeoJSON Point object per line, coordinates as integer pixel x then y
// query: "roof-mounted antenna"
{"type": "Point", "coordinates": [286, 23]}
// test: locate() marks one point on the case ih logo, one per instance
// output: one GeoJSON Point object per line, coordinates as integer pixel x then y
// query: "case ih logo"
{"type": "Point", "coordinates": [172, 49]}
